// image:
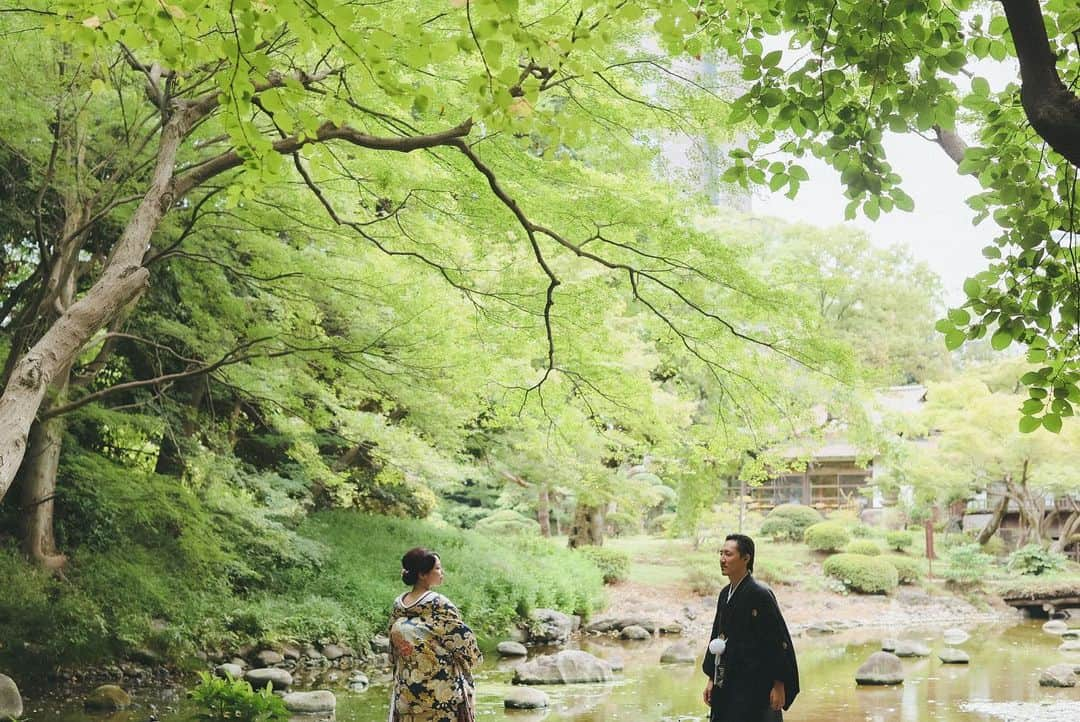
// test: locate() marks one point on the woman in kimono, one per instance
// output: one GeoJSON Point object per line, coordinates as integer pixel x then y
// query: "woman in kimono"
{"type": "Point", "coordinates": [432, 650]}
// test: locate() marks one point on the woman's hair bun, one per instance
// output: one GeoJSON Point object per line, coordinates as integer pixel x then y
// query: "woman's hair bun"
{"type": "Point", "coordinates": [416, 562]}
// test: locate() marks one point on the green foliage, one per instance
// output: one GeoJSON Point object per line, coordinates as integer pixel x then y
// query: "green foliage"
{"type": "Point", "coordinates": [612, 563]}
{"type": "Point", "coordinates": [1035, 560]}
{"type": "Point", "coordinates": [826, 536]}
{"type": "Point", "coordinates": [775, 570]}
{"type": "Point", "coordinates": [866, 547]}
{"type": "Point", "coordinates": [622, 523]}
{"type": "Point", "coordinates": [704, 578]}
{"type": "Point", "coordinates": [862, 531]}
{"type": "Point", "coordinates": [507, 521]}
{"type": "Point", "coordinates": [995, 546]}
{"type": "Point", "coordinates": [966, 564]}
{"type": "Point", "coordinates": [789, 521]}
{"type": "Point", "coordinates": [867, 575]}
{"type": "Point", "coordinates": [899, 540]}
{"type": "Point", "coordinates": [233, 699]}
{"type": "Point", "coordinates": [908, 569]}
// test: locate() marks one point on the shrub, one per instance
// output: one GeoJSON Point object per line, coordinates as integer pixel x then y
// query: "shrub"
{"type": "Point", "coordinates": [612, 563]}
{"type": "Point", "coordinates": [862, 531]}
{"type": "Point", "coordinates": [235, 700]}
{"type": "Point", "coordinates": [790, 521]}
{"type": "Point", "coordinates": [704, 578]}
{"type": "Point", "coordinates": [867, 575]}
{"type": "Point", "coordinates": [1034, 560]}
{"type": "Point", "coordinates": [966, 564]}
{"type": "Point", "coordinates": [995, 546]}
{"type": "Point", "coordinates": [865, 547]}
{"type": "Point", "coordinates": [507, 521]}
{"type": "Point", "coordinates": [774, 571]}
{"type": "Point", "coordinates": [826, 536]}
{"type": "Point", "coordinates": [662, 524]}
{"type": "Point", "coordinates": [908, 569]}
{"type": "Point", "coordinates": [622, 524]}
{"type": "Point", "coordinates": [899, 540]}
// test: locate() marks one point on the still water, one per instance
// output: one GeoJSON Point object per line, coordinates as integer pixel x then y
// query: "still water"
{"type": "Point", "coordinates": [1005, 659]}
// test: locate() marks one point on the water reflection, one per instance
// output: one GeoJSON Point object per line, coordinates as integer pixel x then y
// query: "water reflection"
{"type": "Point", "coordinates": [1005, 660]}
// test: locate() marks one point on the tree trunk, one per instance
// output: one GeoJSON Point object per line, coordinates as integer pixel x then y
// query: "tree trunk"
{"type": "Point", "coordinates": [543, 510]}
{"type": "Point", "coordinates": [38, 484]}
{"type": "Point", "coordinates": [994, 524]}
{"type": "Point", "coordinates": [587, 529]}
{"type": "Point", "coordinates": [1070, 528]}
{"type": "Point", "coordinates": [121, 282]}
{"type": "Point", "coordinates": [170, 460]}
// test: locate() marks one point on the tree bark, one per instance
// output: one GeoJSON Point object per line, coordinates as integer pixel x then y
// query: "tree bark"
{"type": "Point", "coordinates": [1070, 528]}
{"type": "Point", "coordinates": [38, 484]}
{"type": "Point", "coordinates": [587, 529]}
{"type": "Point", "coordinates": [994, 524]}
{"type": "Point", "coordinates": [122, 281]}
{"type": "Point", "coordinates": [1051, 107]}
{"type": "Point", "coordinates": [543, 510]}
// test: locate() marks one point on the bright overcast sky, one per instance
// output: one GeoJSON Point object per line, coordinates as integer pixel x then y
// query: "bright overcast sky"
{"type": "Point", "coordinates": [938, 231]}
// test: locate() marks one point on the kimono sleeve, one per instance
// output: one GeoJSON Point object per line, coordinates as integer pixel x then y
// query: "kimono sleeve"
{"type": "Point", "coordinates": [778, 658]}
{"type": "Point", "coordinates": [709, 664]}
{"type": "Point", "coordinates": [455, 635]}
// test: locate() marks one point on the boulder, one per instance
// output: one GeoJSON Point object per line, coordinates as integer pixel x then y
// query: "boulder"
{"type": "Point", "coordinates": [881, 668]}
{"type": "Point", "coordinates": [229, 670]}
{"type": "Point", "coordinates": [680, 653]}
{"type": "Point", "coordinates": [311, 652]}
{"type": "Point", "coordinates": [358, 682]}
{"type": "Point", "coordinates": [647, 624]}
{"type": "Point", "coordinates": [279, 678]}
{"type": "Point", "coordinates": [11, 704]}
{"type": "Point", "coordinates": [268, 658]}
{"type": "Point", "coordinates": [1070, 645]}
{"type": "Point", "coordinates": [888, 644]}
{"type": "Point", "coordinates": [525, 698]}
{"type": "Point", "coordinates": [671, 628]}
{"type": "Point", "coordinates": [291, 651]}
{"type": "Point", "coordinates": [335, 652]}
{"type": "Point", "coordinates": [955, 637]}
{"type": "Point", "coordinates": [316, 702]}
{"type": "Point", "coordinates": [616, 662]}
{"type": "Point", "coordinates": [603, 626]}
{"type": "Point", "coordinates": [242, 664]}
{"type": "Point", "coordinates": [380, 643]}
{"type": "Point", "coordinates": [570, 666]}
{"type": "Point", "coordinates": [1071, 634]}
{"type": "Point", "coordinates": [108, 698]}
{"type": "Point", "coordinates": [548, 626]}
{"type": "Point", "coordinates": [1055, 626]}
{"type": "Point", "coordinates": [1060, 675]}
{"type": "Point", "coordinates": [952, 655]}
{"type": "Point", "coordinates": [634, 632]}
{"type": "Point", "coordinates": [511, 649]}
{"type": "Point", "coordinates": [911, 648]}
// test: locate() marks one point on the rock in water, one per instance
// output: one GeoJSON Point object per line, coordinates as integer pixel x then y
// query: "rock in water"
{"type": "Point", "coordinates": [317, 702]}
{"type": "Point", "coordinates": [550, 627]}
{"type": "Point", "coordinates": [279, 678]}
{"type": "Point", "coordinates": [108, 697]}
{"type": "Point", "coordinates": [955, 637]}
{"type": "Point", "coordinates": [525, 698]}
{"type": "Point", "coordinates": [635, 632]}
{"type": "Point", "coordinates": [511, 649]}
{"type": "Point", "coordinates": [1055, 626]}
{"type": "Point", "coordinates": [1060, 675]}
{"type": "Point", "coordinates": [679, 654]}
{"type": "Point", "coordinates": [952, 655]}
{"type": "Point", "coordinates": [571, 666]}
{"type": "Point", "coordinates": [911, 648]}
{"type": "Point", "coordinates": [229, 670]}
{"type": "Point", "coordinates": [881, 668]}
{"type": "Point", "coordinates": [11, 704]}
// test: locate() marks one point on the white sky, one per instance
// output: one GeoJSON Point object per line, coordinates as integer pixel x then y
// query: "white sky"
{"type": "Point", "coordinates": [939, 231]}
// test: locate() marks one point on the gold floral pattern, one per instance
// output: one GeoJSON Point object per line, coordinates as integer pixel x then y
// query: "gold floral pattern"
{"type": "Point", "coordinates": [433, 652]}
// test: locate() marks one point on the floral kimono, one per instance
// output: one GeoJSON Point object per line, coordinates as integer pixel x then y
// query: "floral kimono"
{"type": "Point", "coordinates": [433, 652]}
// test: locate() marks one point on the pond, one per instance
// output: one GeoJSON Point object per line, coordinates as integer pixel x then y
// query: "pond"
{"type": "Point", "coordinates": [1005, 659]}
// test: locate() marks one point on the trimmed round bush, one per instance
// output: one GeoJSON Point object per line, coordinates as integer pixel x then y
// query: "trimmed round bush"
{"type": "Point", "coordinates": [790, 521]}
{"type": "Point", "coordinates": [908, 569]}
{"type": "Point", "coordinates": [899, 540]}
{"type": "Point", "coordinates": [862, 531]}
{"type": "Point", "coordinates": [860, 573]}
{"type": "Point", "coordinates": [863, 546]}
{"type": "Point", "coordinates": [826, 536]}
{"type": "Point", "coordinates": [612, 563]}
{"type": "Point", "coordinates": [507, 521]}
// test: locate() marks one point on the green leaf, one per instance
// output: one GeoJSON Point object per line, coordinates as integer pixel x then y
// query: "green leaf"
{"type": "Point", "coordinates": [1052, 423]}
{"type": "Point", "coordinates": [954, 339]}
{"type": "Point", "coordinates": [1029, 424]}
{"type": "Point", "coordinates": [1001, 340]}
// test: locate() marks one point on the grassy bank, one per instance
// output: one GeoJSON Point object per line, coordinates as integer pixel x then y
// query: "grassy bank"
{"type": "Point", "coordinates": [331, 577]}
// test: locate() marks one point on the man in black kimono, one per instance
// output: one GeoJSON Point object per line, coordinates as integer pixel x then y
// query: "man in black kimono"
{"type": "Point", "coordinates": [757, 676]}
